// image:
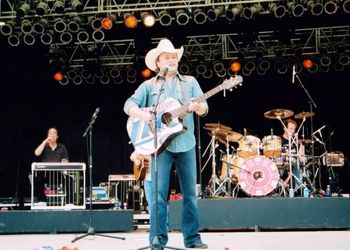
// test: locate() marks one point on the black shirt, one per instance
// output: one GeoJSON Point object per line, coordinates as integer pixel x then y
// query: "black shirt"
{"type": "Point", "coordinates": [49, 155]}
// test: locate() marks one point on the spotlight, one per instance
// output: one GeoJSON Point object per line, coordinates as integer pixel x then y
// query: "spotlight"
{"type": "Point", "coordinates": [314, 68]}
{"type": "Point", "coordinates": [208, 74]}
{"type": "Point", "coordinates": [58, 76]}
{"type": "Point", "coordinates": [330, 7]}
{"type": "Point", "coordinates": [249, 66]}
{"type": "Point", "coordinates": [298, 67]}
{"type": "Point", "coordinates": [23, 10]}
{"type": "Point", "coordinates": [250, 12]}
{"type": "Point", "coordinates": [184, 69]}
{"type": "Point", "coordinates": [325, 60]}
{"type": "Point", "coordinates": [95, 22]}
{"type": "Point", "coordinates": [182, 18]}
{"type": "Point", "coordinates": [218, 67]}
{"type": "Point", "coordinates": [107, 22]}
{"type": "Point", "coordinates": [29, 39]}
{"type": "Point", "coordinates": [131, 72]}
{"type": "Point", "coordinates": [91, 80]}
{"type": "Point", "coordinates": [26, 27]}
{"type": "Point", "coordinates": [83, 36]}
{"type": "Point", "coordinates": [74, 24]}
{"type": "Point", "coordinates": [71, 74]}
{"type": "Point", "coordinates": [213, 13]}
{"type": "Point", "coordinates": [39, 27]}
{"type": "Point", "coordinates": [229, 14]}
{"type": "Point", "coordinates": [13, 40]}
{"type": "Point", "coordinates": [316, 8]}
{"type": "Point", "coordinates": [338, 67]}
{"type": "Point", "coordinates": [146, 73]}
{"type": "Point", "coordinates": [246, 72]}
{"type": "Point", "coordinates": [41, 8]}
{"type": "Point", "coordinates": [64, 80]}
{"type": "Point", "coordinates": [278, 10]}
{"type": "Point", "coordinates": [260, 71]}
{"type": "Point", "coordinates": [66, 37]}
{"type": "Point", "coordinates": [98, 35]}
{"type": "Point", "coordinates": [164, 18]}
{"type": "Point", "coordinates": [46, 38]}
{"type": "Point", "coordinates": [77, 80]}
{"type": "Point", "coordinates": [58, 7]}
{"type": "Point", "coordinates": [59, 25]}
{"type": "Point", "coordinates": [237, 10]}
{"type": "Point", "coordinates": [201, 68]}
{"type": "Point", "coordinates": [308, 63]}
{"type": "Point", "coordinates": [115, 72]}
{"type": "Point", "coordinates": [264, 65]}
{"type": "Point", "coordinates": [7, 28]}
{"type": "Point", "coordinates": [85, 74]}
{"type": "Point", "coordinates": [104, 79]}
{"type": "Point", "coordinates": [130, 21]}
{"type": "Point", "coordinates": [76, 5]}
{"type": "Point", "coordinates": [297, 9]}
{"type": "Point", "coordinates": [344, 59]}
{"type": "Point", "coordinates": [346, 6]}
{"type": "Point", "coordinates": [117, 80]}
{"type": "Point", "coordinates": [280, 66]}
{"type": "Point", "coordinates": [148, 19]}
{"type": "Point", "coordinates": [235, 66]}
{"type": "Point", "coordinates": [323, 69]}
{"type": "Point", "coordinates": [199, 16]}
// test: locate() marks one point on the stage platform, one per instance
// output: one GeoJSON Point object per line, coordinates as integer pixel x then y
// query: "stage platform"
{"type": "Point", "coordinates": [268, 213]}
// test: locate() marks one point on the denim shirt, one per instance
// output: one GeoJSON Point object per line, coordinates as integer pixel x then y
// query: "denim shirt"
{"type": "Point", "coordinates": [183, 89]}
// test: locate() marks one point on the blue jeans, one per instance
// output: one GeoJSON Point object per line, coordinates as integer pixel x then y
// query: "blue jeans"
{"type": "Point", "coordinates": [185, 163]}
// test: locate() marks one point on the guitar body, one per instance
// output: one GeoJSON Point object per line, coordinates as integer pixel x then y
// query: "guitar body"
{"type": "Point", "coordinates": [141, 169]}
{"type": "Point", "coordinates": [142, 133]}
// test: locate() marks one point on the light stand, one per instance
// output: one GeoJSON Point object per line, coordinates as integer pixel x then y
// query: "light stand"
{"type": "Point", "coordinates": [91, 230]}
{"type": "Point", "coordinates": [156, 244]}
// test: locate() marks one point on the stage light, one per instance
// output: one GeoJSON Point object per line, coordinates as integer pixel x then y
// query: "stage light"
{"type": "Point", "coordinates": [182, 18]}
{"type": "Point", "coordinates": [91, 80]}
{"type": "Point", "coordinates": [66, 37]}
{"type": "Point", "coordinates": [237, 10]}
{"type": "Point", "coordinates": [83, 36]}
{"type": "Point", "coordinates": [297, 9]}
{"type": "Point", "coordinates": [29, 39]}
{"type": "Point", "coordinates": [229, 14]}
{"type": "Point", "coordinates": [278, 10]}
{"type": "Point", "coordinates": [325, 60]}
{"type": "Point", "coordinates": [213, 13]}
{"type": "Point", "coordinates": [148, 19]}
{"type": "Point", "coordinates": [41, 8]}
{"type": "Point", "coordinates": [164, 18]}
{"type": "Point", "coordinates": [98, 35]}
{"type": "Point", "coordinates": [107, 22]}
{"type": "Point", "coordinates": [264, 65]}
{"type": "Point", "coordinates": [308, 63]}
{"type": "Point", "coordinates": [95, 22]}
{"type": "Point", "coordinates": [346, 6]}
{"type": "Point", "coordinates": [117, 80]}
{"type": "Point", "coordinates": [199, 16]}
{"type": "Point", "coordinates": [208, 74]}
{"type": "Point", "coordinates": [58, 7]}
{"type": "Point", "coordinates": [249, 66]}
{"type": "Point", "coordinates": [235, 66]}
{"type": "Point", "coordinates": [59, 25]}
{"type": "Point", "coordinates": [218, 67]}
{"type": "Point", "coordinates": [39, 27]}
{"type": "Point", "coordinates": [250, 12]}
{"type": "Point", "coordinates": [23, 10]}
{"type": "Point", "coordinates": [26, 26]}
{"type": "Point", "coordinates": [146, 73]}
{"type": "Point", "coordinates": [115, 72]}
{"type": "Point", "coordinates": [280, 66]}
{"type": "Point", "coordinates": [131, 72]}
{"type": "Point", "coordinates": [314, 68]}
{"type": "Point", "coordinates": [104, 79]}
{"type": "Point", "coordinates": [77, 80]}
{"type": "Point", "coordinates": [85, 74]}
{"type": "Point", "coordinates": [338, 67]}
{"type": "Point", "coordinates": [77, 5]}
{"type": "Point", "coordinates": [7, 28]}
{"type": "Point", "coordinates": [46, 38]}
{"type": "Point", "coordinates": [344, 59]}
{"type": "Point", "coordinates": [74, 24]}
{"type": "Point", "coordinates": [323, 69]}
{"type": "Point", "coordinates": [58, 76]}
{"type": "Point", "coordinates": [184, 69]}
{"type": "Point", "coordinates": [316, 8]}
{"type": "Point", "coordinates": [330, 7]}
{"type": "Point", "coordinates": [130, 21]}
{"type": "Point", "coordinates": [201, 68]}
{"type": "Point", "coordinates": [64, 80]}
{"type": "Point", "coordinates": [260, 71]}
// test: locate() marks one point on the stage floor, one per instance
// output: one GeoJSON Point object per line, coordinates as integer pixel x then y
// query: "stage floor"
{"type": "Point", "coordinates": [320, 240]}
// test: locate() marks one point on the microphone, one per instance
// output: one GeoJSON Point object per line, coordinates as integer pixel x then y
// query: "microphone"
{"type": "Point", "coordinates": [245, 132]}
{"type": "Point", "coordinates": [319, 130]}
{"type": "Point", "coordinates": [293, 74]}
{"type": "Point", "coordinates": [164, 71]}
{"type": "Point", "coordinates": [96, 112]}
{"type": "Point", "coordinates": [271, 131]}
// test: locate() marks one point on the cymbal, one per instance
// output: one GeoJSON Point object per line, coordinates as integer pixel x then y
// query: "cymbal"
{"type": "Point", "coordinates": [215, 126]}
{"type": "Point", "coordinates": [305, 141]}
{"type": "Point", "coordinates": [304, 114]}
{"type": "Point", "coordinates": [278, 113]}
{"type": "Point", "coordinates": [224, 135]}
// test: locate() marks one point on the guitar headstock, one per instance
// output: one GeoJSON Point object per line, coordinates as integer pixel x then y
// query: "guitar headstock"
{"type": "Point", "coordinates": [232, 82]}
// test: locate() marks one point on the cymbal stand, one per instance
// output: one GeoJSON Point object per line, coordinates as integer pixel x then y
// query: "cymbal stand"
{"type": "Point", "coordinates": [214, 180]}
{"type": "Point", "coordinates": [228, 177]}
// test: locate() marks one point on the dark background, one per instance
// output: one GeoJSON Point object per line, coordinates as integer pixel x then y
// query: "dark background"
{"type": "Point", "coordinates": [31, 102]}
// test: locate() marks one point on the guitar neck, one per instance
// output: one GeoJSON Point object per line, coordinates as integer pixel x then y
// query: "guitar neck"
{"type": "Point", "coordinates": [184, 108]}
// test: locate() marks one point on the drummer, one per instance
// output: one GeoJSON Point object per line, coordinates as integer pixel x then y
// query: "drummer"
{"type": "Point", "coordinates": [290, 128]}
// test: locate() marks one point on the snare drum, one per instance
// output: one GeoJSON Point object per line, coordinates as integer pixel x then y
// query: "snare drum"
{"type": "Point", "coordinates": [272, 146]}
{"type": "Point", "coordinates": [249, 146]}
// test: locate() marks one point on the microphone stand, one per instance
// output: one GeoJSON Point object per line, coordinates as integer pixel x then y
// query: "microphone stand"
{"type": "Point", "coordinates": [91, 230]}
{"type": "Point", "coordinates": [311, 104]}
{"type": "Point", "coordinates": [156, 245]}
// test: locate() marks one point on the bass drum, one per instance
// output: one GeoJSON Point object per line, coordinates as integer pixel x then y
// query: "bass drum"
{"type": "Point", "coordinates": [258, 176]}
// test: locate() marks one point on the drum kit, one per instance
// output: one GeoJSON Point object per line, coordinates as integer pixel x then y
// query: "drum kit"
{"type": "Point", "coordinates": [255, 165]}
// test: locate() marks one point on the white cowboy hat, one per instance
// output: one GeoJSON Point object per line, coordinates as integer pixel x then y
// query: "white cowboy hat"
{"type": "Point", "coordinates": [163, 46]}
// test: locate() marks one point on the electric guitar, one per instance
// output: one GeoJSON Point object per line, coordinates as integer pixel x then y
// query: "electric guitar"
{"type": "Point", "coordinates": [140, 170]}
{"type": "Point", "coordinates": [168, 122]}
